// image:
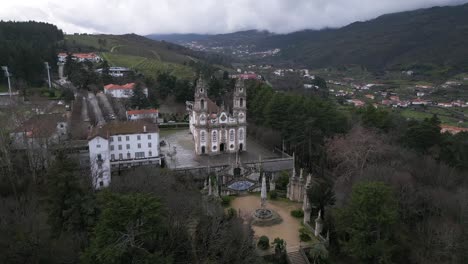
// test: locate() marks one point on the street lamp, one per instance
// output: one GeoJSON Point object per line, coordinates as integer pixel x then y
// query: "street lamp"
{"type": "Point", "coordinates": [7, 74]}
{"type": "Point", "coordinates": [48, 73]}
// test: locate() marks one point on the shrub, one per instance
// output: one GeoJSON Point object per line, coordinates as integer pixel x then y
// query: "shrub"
{"type": "Point", "coordinates": [226, 200]}
{"type": "Point", "coordinates": [297, 213]}
{"type": "Point", "coordinates": [263, 242]}
{"type": "Point", "coordinates": [273, 195]}
{"type": "Point", "coordinates": [231, 212]}
{"type": "Point", "coordinates": [304, 235]}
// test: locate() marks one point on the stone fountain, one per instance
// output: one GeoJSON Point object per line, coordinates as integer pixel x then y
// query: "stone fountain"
{"type": "Point", "coordinates": [264, 216]}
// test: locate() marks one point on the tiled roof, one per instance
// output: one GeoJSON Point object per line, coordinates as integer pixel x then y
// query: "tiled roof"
{"type": "Point", "coordinates": [142, 111]}
{"type": "Point", "coordinates": [123, 128]}
{"type": "Point", "coordinates": [41, 126]}
{"type": "Point", "coordinates": [128, 86]}
{"type": "Point", "coordinates": [80, 55]}
{"type": "Point", "coordinates": [211, 106]}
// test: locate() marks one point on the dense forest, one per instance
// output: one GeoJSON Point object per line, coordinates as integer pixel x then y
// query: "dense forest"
{"type": "Point", "coordinates": [25, 46]}
{"type": "Point", "coordinates": [390, 190]}
{"type": "Point", "coordinates": [426, 40]}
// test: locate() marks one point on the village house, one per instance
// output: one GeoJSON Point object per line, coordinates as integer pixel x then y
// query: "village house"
{"type": "Point", "coordinates": [419, 101]}
{"type": "Point", "coordinates": [122, 91]}
{"type": "Point", "coordinates": [356, 102]}
{"type": "Point", "coordinates": [370, 96]}
{"type": "Point", "coordinates": [80, 57]}
{"type": "Point", "coordinates": [116, 71]}
{"type": "Point", "coordinates": [452, 129]}
{"type": "Point", "coordinates": [116, 146]}
{"type": "Point", "coordinates": [40, 131]}
{"type": "Point", "coordinates": [444, 104]}
{"type": "Point", "coordinates": [150, 114]}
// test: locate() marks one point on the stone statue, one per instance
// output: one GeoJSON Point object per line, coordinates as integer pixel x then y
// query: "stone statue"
{"type": "Point", "coordinates": [263, 193]}
{"type": "Point", "coordinates": [318, 224]}
{"type": "Point", "coordinates": [209, 186]}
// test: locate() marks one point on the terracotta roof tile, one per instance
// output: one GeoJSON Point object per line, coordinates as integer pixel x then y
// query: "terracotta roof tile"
{"type": "Point", "coordinates": [122, 128]}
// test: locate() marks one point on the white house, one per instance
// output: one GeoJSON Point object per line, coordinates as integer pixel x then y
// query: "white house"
{"type": "Point", "coordinates": [81, 57]}
{"type": "Point", "coordinates": [116, 71]}
{"type": "Point", "coordinates": [122, 91]}
{"type": "Point", "coordinates": [133, 115]}
{"type": "Point", "coordinates": [116, 146]}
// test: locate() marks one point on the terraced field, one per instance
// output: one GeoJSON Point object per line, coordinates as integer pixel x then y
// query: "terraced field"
{"type": "Point", "coordinates": [148, 66]}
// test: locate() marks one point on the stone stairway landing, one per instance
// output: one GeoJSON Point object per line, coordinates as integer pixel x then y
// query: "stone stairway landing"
{"type": "Point", "coordinates": [296, 258]}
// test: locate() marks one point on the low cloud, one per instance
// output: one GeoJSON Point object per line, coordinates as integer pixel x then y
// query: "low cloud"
{"type": "Point", "coordinates": [204, 16]}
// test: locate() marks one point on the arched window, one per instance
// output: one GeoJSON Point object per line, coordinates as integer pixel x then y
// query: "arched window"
{"type": "Point", "coordinates": [231, 135]}
{"type": "Point", "coordinates": [215, 136]}
{"type": "Point", "coordinates": [241, 102]}
{"type": "Point", "coordinates": [202, 104]}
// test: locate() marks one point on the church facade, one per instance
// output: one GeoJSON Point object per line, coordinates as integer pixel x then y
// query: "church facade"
{"type": "Point", "coordinates": [214, 129]}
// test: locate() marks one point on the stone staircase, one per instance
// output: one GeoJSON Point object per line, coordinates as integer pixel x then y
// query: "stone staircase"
{"type": "Point", "coordinates": [296, 257]}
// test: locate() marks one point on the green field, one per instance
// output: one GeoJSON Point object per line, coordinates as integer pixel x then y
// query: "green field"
{"type": "Point", "coordinates": [147, 66]}
{"type": "Point", "coordinates": [446, 116]}
{"type": "Point", "coordinates": [139, 53]}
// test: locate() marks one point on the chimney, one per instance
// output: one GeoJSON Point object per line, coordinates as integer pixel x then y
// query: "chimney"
{"type": "Point", "coordinates": [144, 129]}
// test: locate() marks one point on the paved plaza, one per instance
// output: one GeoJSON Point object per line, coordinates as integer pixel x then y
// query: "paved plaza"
{"type": "Point", "coordinates": [179, 151]}
{"type": "Point", "coordinates": [288, 229]}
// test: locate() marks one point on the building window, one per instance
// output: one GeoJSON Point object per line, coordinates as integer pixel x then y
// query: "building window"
{"type": "Point", "coordinates": [128, 146]}
{"type": "Point", "coordinates": [202, 104]}
{"type": "Point", "coordinates": [241, 134]}
{"type": "Point", "coordinates": [139, 155]}
{"type": "Point", "coordinates": [100, 174]}
{"type": "Point", "coordinates": [127, 138]}
{"type": "Point", "coordinates": [111, 139]}
{"type": "Point", "coordinates": [128, 155]}
{"type": "Point", "coordinates": [119, 139]}
{"type": "Point", "coordinates": [149, 144]}
{"type": "Point", "coordinates": [120, 156]}
{"type": "Point", "coordinates": [98, 146]}
{"type": "Point", "coordinates": [231, 135]}
{"type": "Point", "coordinates": [112, 157]}
{"type": "Point", "coordinates": [150, 154]}
{"type": "Point", "coordinates": [202, 136]}
{"type": "Point", "coordinates": [138, 137]}
{"type": "Point", "coordinates": [112, 147]}
{"type": "Point", "coordinates": [149, 136]}
{"type": "Point", "coordinates": [139, 145]}
{"type": "Point", "coordinates": [241, 102]}
{"type": "Point", "coordinates": [214, 136]}
{"type": "Point", "coordinates": [120, 147]}
{"type": "Point", "coordinates": [101, 183]}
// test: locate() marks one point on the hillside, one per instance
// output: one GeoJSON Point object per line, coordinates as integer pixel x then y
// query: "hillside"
{"type": "Point", "coordinates": [137, 52]}
{"type": "Point", "coordinates": [415, 39]}
{"type": "Point", "coordinates": [429, 40]}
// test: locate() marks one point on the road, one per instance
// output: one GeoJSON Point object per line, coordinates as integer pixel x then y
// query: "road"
{"type": "Point", "coordinates": [96, 109]}
{"type": "Point", "coordinates": [106, 107]}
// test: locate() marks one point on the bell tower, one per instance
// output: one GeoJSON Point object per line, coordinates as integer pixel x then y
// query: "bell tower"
{"type": "Point", "coordinates": [240, 101]}
{"type": "Point", "coordinates": [201, 96]}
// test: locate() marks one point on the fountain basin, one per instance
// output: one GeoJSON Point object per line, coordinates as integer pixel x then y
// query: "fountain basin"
{"type": "Point", "coordinates": [265, 217]}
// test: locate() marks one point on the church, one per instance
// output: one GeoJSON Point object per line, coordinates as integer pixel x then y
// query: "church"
{"type": "Point", "coordinates": [216, 130]}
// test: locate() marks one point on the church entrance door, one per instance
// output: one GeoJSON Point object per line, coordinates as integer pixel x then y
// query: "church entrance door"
{"type": "Point", "coordinates": [203, 150]}
{"type": "Point", "coordinates": [221, 147]}
{"type": "Point", "coordinates": [241, 146]}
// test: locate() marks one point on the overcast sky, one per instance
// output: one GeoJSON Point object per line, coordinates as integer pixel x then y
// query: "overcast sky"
{"type": "Point", "coordinates": [203, 16]}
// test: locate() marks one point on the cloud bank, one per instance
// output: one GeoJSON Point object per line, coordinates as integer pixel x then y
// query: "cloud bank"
{"type": "Point", "coordinates": [203, 16]}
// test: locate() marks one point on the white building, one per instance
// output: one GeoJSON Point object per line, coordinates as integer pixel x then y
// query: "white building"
{"type": "Point", "coordinates": [214, 129]}
{"type": "Point", "coordinates": [151, 114]}
{"type": "Point", "coordinates": [116, 146]}
{"type": "Point", "coordinates": [80, 57]}
{"type": "Point", "coordinates": [122, 91]}
{"type": "Point", "coordinates": [116, 71]}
